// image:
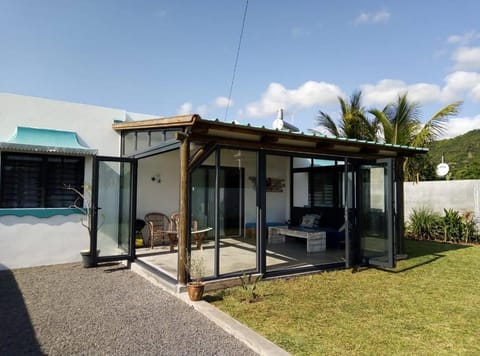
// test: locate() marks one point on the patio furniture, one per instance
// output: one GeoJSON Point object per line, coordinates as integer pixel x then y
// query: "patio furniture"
{"type": "Point", "coordinates": [316, 240]}
{"type": "Point", "coordinates": [197, 235]}
{"type": "Point", "coordinates": [158, 225]}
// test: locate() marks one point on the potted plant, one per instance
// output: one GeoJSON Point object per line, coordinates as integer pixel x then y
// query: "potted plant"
{"type": "Point", "coordinates": [83, 203]}
{"type": "Point", "coordinates": [195, 267]}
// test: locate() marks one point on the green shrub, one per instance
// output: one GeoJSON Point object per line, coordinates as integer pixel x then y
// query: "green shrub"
{"type": "Point", "coordinates": [470, 231]}
{"type": "Point", "coordinates": [452, 226]}
{"type": "Point", "coordinates": [425, 224]}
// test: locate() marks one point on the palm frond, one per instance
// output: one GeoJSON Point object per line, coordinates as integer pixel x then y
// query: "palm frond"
{"type": "Point", "coordinates": [385, 124]}
{"type": "Point", "coordinates": [437, 125]}
{"type": "Point", "coordinates": [324, 120]}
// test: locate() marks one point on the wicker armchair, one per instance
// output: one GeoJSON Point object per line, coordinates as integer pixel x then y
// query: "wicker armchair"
{"type": "Point", "coordinates": [158, 226]}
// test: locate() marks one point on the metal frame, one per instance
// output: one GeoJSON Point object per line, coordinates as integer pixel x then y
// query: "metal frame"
{"type": "Point", "coordinates": [130, 256]}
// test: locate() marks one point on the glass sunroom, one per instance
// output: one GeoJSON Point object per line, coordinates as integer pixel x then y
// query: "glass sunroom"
{"type": "Point", "coordinates": [248, 199]}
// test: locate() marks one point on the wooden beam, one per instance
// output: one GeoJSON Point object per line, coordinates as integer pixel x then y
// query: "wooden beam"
{"type": "Point", "coordinates": [201, 154]}
{"type": "Point", "coordinates": [269, 139]}
{"type": "Point", "coordinates": [183, 228]}
{"type": "Point", "coordinates": [277, 147]}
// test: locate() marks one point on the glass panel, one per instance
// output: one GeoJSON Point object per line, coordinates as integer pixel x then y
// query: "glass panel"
{"type": "Point", "coordinates": [170, 134]}
{"type": "Point", "coordinates": [156, 138]}
{"type": "Point", "coordinates": [300, 189]}
{"type": "Point", "coordinates": [129, 143]}
{"type": "Point", "coordinates": [323, 188]}
{"type": "Point", "coordinates": [143, 138]}
{"type": "Point", "coordinates": [318, 242]}
{"type": "Point", "coordinates": [203, 211]}
{"type": "Point", "coordinates": [375, 235]}
{"type": "Point", "coordinates": [302, 162]}
{"type": "Point", "coordinates": [237, 205]}
{"type": "Point", "coordinates": [323, 163]}
{"type": "Point", "coordinates": [114, 208]}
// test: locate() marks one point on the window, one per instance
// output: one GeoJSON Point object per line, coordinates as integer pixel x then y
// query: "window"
{"type": "Point", "coordinates": [38, 181]}
{"type": "Point", "coordinates": [140, 140]}
{"type": "Point", "coordinates": [322, 189]}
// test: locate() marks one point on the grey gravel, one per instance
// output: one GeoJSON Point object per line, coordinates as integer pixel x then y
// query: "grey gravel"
{"type": "Point", "coordinates": [108, 310]}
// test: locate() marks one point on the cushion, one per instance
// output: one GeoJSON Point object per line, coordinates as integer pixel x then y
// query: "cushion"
{"type": "Point", "coordinates": [311, 221]}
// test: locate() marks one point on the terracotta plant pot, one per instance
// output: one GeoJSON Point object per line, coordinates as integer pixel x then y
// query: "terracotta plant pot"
{"type": "Point", "coordinates": [195, 291]}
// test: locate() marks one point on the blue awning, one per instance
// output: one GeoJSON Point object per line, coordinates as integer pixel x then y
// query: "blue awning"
{"type": "Point", "coordinates": [31, 139]}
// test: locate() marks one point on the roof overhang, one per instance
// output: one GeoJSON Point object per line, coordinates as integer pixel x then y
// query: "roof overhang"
{"type": "Point", "coordinates": [29, 139]}
{"type": "Point", "coordinates": [247, 136]}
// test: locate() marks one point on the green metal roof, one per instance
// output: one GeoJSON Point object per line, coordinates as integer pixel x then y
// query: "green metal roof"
{"type": "Point", "coordinates": [47, 141]}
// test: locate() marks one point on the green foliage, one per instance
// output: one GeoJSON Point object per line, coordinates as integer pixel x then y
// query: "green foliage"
{"type": "Point", "coordinates": [462, 153]}
{"type": "Point", "coordinates": [452, 225]}
{"type": "Point", "coordinates": [426, 224]}
{"type": "Point", "coordinates": [353, 122]}
{"type": "Point", "coordinates": [249, 286]}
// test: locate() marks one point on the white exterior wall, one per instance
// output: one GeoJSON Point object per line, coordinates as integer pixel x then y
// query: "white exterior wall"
{"type": "Point", "coordinates": [30, 241]}
{"type": "Point", "coordinates": [164, 196]}
{"type": "Point", "coordinates": [278, 203]}
{"type": "Point", "coordinates": [460, 195]}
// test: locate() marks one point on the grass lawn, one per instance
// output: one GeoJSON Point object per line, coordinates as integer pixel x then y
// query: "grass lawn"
{"type": "Point", "coordinates": [428, 305]}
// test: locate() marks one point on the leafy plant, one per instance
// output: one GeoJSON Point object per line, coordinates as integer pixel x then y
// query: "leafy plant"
{"type": "Point", "coordinates": [425, 224]}
{"type": "Point", "coordinates": [470, 232]}
{"type": "Point", "coordinates": [249, 286]}
{"type": "Point", "coordinates": [453, 225]}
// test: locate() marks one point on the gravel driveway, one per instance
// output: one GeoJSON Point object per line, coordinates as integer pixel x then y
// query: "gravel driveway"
{"type": "Point", "coordinates": [109, 310]}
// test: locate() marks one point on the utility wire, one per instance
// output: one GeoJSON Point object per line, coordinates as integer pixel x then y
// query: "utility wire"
{"type": "Point", "coordinates": [236, 60]}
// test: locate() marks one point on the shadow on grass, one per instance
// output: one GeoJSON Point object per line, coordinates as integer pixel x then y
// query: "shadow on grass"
{"type": "Point", "coordinates": [426, 251]}
{"type": "Point", "coordinates": [418, 248]}
{"type": "Point", "coordinates": [215, 297]}
{"type": "Point", "coordinates": [17, 336]}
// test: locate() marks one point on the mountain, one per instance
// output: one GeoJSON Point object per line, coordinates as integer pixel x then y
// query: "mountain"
{"type": "Point", "coordinates": [461, 153]}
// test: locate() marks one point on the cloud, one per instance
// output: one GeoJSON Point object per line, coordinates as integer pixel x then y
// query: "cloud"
{"type": "Point", "coordinates": [185, 108]}
{"type": "Point", "coordinates": [467, 58]}
{"type": "Point", "coordinates": [223, 102]}
{"type": "Point", "coordinates": [381, 16]}
{"type": "Point", "coordinates": [387, 90]}
{"type": "Point", "coordinates": [307, 95]}
{"type": "Point", "coordinates": [461, 83]}
{"type": "Point", "coordinates": [463, 39]}
{"type": "Point", "coordinates": [461, 125]}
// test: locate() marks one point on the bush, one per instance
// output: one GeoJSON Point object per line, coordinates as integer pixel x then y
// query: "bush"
{"type": "Point", "coordinates": [452, 226]}
{"type": "Point", "coordinates": [426, 224]}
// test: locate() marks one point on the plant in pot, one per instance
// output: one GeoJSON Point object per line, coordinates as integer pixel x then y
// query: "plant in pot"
{"type": "Point", "coordinates": [195, 267]}
{"type": "Point", "coordinates": [83, 203]}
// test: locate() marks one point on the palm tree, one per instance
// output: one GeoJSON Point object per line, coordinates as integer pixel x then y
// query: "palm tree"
{"type": "Point", "coordinates": [401, 125]}
{"type": "Point", "coordinates": [353, 120]}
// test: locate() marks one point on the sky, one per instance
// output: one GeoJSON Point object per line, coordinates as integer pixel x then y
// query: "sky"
{"type": "Point", "coordinates": [176, 57]}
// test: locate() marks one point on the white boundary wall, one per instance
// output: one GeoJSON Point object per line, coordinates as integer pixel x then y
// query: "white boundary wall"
{"type": "Point", "coordinates": [460, 195]}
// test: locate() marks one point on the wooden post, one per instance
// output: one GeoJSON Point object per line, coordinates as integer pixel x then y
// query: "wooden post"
{"type": "Point", "coordinates": [184, 208]}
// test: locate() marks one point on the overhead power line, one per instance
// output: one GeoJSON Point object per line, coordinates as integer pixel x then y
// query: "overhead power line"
{"type": "Point", "coordinates": [236, 60]}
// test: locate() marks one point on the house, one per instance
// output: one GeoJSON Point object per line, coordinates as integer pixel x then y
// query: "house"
{"type": "Point", "coordinates": [267, 201]}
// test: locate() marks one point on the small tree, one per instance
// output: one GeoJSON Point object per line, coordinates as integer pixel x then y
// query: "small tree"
{"type": "Point", "coordinates": [83, 203]}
